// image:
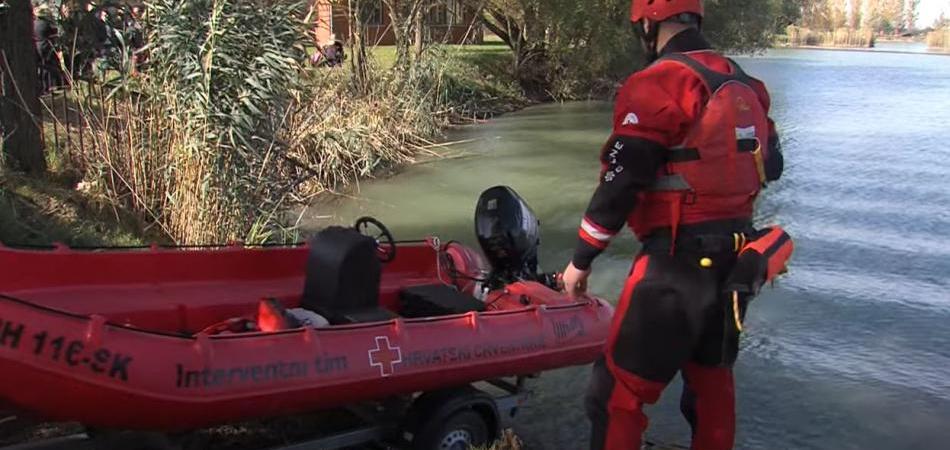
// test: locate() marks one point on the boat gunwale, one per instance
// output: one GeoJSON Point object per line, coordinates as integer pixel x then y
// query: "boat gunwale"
{"type": "Point", "coordinates": [591, 303]}
{"type": "Point", "coordinates": [60, 247]}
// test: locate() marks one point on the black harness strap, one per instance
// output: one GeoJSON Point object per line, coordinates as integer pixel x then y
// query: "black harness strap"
{"type": "Point", "coordinates": [714, 80]}
{"type": "Point", "coordinates": [681, 155]}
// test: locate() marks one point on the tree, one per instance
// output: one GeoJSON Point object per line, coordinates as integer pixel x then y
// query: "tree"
{"type": "Point", "coordinates": [910, 14]}
{"type": "Point", "coordinates": [20, 105]}
{"type": "Point", "coordinates": [734, 25]}
{"type": "Point", "coordinates": [407, 17]}
{"type": "Point", "coordinates": [878, 15]}
{"type": "Point", "coordinates": [522, 25]}
{"type": "Point", "coordinates": [406, 22]}
{"type": "Point", "coordinates": [356, 11]}
{"type": "Point", "coordinates": [942, 22]}
{"type": "Point", "coordinates": [789, 12]}
{"type": "Point", "coordinates": [566, 45]}
{"type": "Point", "coordinates": [866, 14]}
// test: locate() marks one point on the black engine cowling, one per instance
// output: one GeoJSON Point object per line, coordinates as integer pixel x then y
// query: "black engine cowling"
{"type": "Point", "coordinates": [509, 233]}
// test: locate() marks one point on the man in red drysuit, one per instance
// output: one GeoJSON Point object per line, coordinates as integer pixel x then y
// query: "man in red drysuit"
{"type": "Point", "coordinates": [691, 149]}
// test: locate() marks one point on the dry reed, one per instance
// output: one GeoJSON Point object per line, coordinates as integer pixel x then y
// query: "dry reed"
{"type": "Point", "coordinates": [226, 131]}
{"type": "Point", "coordinates": [939, 39]}
{"type": "Point", "coordinates": [842, 37]}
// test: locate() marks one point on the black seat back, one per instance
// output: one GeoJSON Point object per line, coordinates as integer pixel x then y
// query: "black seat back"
{"type": "Point", "coordinates": [343, 274]}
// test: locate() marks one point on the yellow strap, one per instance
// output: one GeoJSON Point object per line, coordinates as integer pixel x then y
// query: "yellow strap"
{"type": "Point", "coordinates": [739, 240]}
{"type": "Point", "coordinates": [735, 310]}
{"type": "Point", "coordinates": [759, 162]}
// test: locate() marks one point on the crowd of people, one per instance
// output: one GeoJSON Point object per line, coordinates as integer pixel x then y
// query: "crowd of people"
{"type": "Point", "coordinates": [76, 44]}
{"type": "Point", "coordinates": [331, 54]}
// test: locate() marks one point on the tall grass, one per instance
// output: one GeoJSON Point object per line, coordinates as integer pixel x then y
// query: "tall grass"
{"type": "Point", "coordinates": [842, 37]}
{"type": "Point", "coordinates": [335, 135]}
{"type": "Point", "coordinates": [224, 70]}
{"type": "Point", "coordinates": [226, 131]}
{"type": "Point", "coordinates": [939, 39]}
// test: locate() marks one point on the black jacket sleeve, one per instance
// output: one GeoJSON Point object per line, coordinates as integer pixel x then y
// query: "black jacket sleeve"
{"type": "Point", "coordinates": [630, 165]}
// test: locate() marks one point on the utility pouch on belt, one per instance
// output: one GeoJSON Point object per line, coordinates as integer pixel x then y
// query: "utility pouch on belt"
{"type": "Point", "coordinates": [762, 259]}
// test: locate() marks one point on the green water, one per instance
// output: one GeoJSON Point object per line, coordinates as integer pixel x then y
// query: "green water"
{"type": "Point", "coordinates": [549, 154]}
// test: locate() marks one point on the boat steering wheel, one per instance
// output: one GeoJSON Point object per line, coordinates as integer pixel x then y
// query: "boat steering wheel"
{"type": "Point", "coordinates": [385, 244]}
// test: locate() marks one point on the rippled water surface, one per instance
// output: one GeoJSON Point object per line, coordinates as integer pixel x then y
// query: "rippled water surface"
{"type": "Point", "coordinates": [852, 350]}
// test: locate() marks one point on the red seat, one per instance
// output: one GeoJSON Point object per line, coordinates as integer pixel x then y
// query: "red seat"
{"type": "Point", "coordinates": [272, 316]}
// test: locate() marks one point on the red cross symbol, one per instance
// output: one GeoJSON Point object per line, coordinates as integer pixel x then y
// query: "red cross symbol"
{"type": "Point", "coordinates": [385, 356]}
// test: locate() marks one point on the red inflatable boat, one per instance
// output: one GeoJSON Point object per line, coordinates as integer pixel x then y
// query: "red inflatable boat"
{"type": "Point", "coordinates": [178, 339]}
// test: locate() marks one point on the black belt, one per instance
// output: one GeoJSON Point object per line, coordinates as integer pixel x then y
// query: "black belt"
{"type": "Point", "coordinates": [706, 244]}
{"type": "Point", "coordinates": [713, 237]}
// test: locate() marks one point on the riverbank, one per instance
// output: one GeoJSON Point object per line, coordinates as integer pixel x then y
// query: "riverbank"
{"type": "Point", "coordinates": [800, 37]}
{"type": "Point", "coordinates": [869, 50]}
{"type": "Point", "coordinates": [474, 84]}
{"type": "Point", "coordinates": [58, 208]}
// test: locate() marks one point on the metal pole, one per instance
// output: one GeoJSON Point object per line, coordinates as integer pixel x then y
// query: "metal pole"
{"type": "Point", "coordinates": [51, 110]}
{"type": "Point", "coordinates": [81, 119]}
{"type": "Point", "coordinates": [69, 138]}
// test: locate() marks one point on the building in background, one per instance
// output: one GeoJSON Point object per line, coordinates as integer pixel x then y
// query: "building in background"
{"type": "Point", "coordinates": [447, 21]}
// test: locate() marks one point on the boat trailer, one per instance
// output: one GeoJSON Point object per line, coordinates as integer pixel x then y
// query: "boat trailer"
{"type": "Point", "coordinates": [432, 420]}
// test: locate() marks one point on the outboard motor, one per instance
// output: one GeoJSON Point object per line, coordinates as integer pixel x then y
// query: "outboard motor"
{"type": "Point", "coordinates": [509, 234]}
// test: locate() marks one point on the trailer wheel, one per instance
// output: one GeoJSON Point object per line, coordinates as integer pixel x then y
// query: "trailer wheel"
{"type": "Point", "coordinates": [461, 431]}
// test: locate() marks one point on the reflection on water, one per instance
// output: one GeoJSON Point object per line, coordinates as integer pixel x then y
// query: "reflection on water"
{"type": "Point", "coordinates": [852, 350]}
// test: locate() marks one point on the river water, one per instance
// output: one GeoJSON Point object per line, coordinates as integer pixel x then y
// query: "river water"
{"type": "Point", "coordinates": [852, 349]}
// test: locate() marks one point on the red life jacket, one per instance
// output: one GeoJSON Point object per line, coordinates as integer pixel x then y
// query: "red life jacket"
{"type": "Point", "coordinates": [718, 171]}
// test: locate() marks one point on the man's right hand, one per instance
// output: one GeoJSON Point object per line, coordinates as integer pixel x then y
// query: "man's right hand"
{"type": "Point", "coordinates": [575, 281]}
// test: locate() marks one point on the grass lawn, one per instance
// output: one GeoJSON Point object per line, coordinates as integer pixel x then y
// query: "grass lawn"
{"type": "Point", "coordinates": [385, 55]}
{"type": "Point", "coordinates": [490, 57]}
{"type": "Point", "coordinates": [479, 78]}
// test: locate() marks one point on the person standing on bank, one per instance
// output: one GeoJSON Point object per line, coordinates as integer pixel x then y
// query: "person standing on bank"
{"type": "Point", "coordinates": [691, 149]}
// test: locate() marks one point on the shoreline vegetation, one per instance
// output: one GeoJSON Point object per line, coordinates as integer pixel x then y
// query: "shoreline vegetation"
{"type": "Point", "coordinates": [841, 38]}
{"type": "Point", "coordinates": [99, 196]}
{"type": "Point", "coordinates": [202, 147]}
{"type": "Point", "coordinates": [193, 153]}
{"type": "Point", "coordinates": [939, 39]}
{"type": "Point", "coordinates": [221, 140]}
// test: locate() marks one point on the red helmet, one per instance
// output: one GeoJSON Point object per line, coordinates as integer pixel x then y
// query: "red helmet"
{"type": "Point", "coordinates": [660, 10]}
